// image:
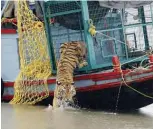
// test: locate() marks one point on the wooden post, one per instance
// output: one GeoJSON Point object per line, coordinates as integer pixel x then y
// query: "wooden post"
{"type": "Point", "coordinates": [116, 64]}
{"type": "Point", "coordinates": [151, 60]}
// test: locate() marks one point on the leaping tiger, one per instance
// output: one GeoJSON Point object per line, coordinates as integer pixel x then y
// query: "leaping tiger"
{"type": "Point", "coordinates": [72, 55]}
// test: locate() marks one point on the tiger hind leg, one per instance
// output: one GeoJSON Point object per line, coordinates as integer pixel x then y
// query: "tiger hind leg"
{"type": "Point", "coordinates": [55, 103]}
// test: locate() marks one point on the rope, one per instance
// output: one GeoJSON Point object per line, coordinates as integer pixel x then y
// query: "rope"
{"type": "Point", "coordinates": [147, 53]}
{"type": "Point", "coordinates": [123, 80]}
{"type": "Point", "coordinates": [133, 59]}
{"type": "Point", "coordinates": [141, 93]}
{"type": "Point", "coordinates": [12, 20]}
{"type": "Point", "coordinates": [93, 32]}
{"type": "Point", "coordinates": [111, 37]}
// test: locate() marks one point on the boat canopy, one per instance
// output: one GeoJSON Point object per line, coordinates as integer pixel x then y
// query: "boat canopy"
{"type": "Point", "coordinates": [124, 4]}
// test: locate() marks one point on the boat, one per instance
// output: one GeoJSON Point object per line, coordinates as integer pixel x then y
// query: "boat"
{"type": "Point", "coordinates": [120, 71]}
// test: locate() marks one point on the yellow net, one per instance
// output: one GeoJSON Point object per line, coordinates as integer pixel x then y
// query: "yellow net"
{"type": "Point", "coordinates": [31, 84]}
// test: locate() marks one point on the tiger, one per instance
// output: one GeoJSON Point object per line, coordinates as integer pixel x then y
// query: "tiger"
{"type": "Point", "coordinates": [72, 54]}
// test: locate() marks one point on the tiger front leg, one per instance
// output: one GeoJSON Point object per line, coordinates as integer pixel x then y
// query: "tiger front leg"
{"type": "Point", "coordinates": [56, 102]}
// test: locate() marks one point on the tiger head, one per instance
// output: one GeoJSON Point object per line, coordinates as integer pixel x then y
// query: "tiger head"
{"type": "Point", "coordinates": [64, 92]}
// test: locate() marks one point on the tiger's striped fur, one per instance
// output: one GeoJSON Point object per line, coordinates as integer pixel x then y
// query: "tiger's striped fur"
{"type": "Point", "coordinates": [72, 55]}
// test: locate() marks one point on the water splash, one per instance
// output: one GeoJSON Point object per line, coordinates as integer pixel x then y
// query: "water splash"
{"type": "Point", "coordinates": [62, 107]}
{"type": "Point", "coordinates": [49, 108]}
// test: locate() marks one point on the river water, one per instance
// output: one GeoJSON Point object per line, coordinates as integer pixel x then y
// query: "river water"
{"type": "Point", "coordinates": [39, 117]}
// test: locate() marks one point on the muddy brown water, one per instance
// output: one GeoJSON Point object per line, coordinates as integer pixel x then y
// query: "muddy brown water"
{"type": "Point", "coordinates": [39, 117]}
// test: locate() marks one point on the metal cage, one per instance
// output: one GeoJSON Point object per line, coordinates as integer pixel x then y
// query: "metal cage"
{"type": "Point", "coordinates": [126, 32]}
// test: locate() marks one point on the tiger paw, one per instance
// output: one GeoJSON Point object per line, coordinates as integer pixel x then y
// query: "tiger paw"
{"type": "Point", "coordinates": [84, 63]}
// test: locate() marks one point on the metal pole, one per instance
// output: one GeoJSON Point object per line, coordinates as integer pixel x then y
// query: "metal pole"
{"type": "Point", "coordinates": [141, 11]}
{"type": "Point", "coordinates": [151, 12]}
{"type": "Point", "coordinates": [135, 41]}
{"type": "Point", "coordinates": [6, 3]}
{"type": "Point", "coordinates": [49, 40]}
{"type": "Point", "coordinates": [122, 19]}
{"type": "Point", "coordinates": [88, 38]}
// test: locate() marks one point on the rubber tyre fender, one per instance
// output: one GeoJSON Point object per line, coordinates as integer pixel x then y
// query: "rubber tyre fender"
{"type": "Point", "coordinates": [2, 87]}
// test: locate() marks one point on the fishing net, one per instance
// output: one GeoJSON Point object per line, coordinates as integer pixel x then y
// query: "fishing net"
{"type": "Point", "coordinates": [31, 84]}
